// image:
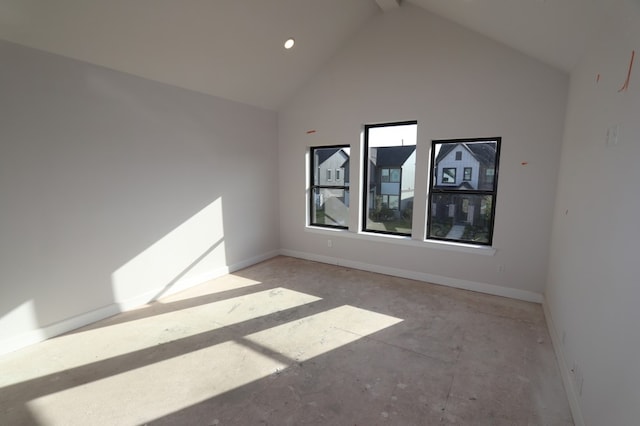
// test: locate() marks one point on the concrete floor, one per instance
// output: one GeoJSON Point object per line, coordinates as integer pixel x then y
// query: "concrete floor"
{"type": "Point", "coordinates": [292, 342]}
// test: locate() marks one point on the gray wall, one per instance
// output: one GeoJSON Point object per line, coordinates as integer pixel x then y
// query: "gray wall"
{"type": "Point", "coordinates": [593, 290]}
{"type": "Point", "coordinates": [114, 189]}
{"type": "Point", "coordinates": [411, 65]}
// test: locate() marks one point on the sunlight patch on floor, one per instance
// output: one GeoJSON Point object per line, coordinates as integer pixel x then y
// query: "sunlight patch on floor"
{"type": "Point", "coordinates": [315, 335]}
{"type": "Point", "coordinates": [81, 348]}
{"type": "Point", "coordinates": [159, 389]}
{"type": "Point", "coordinates": [139, 395]}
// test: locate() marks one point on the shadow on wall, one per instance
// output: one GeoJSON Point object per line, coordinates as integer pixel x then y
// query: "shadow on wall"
{"type": "Point", "coordinates": [191, 253]}
{"type": "Point", "coordinates": [188, 255]}
{"type": "Point", "coordinates": [113, 190]}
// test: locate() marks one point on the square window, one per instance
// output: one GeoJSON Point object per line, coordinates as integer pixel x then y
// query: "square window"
{"type": "Point", "coordinates": [449, 175]}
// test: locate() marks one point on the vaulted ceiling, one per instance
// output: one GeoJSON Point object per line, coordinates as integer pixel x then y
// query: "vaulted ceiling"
{"type": "Point", "coordinates": [234, 48]}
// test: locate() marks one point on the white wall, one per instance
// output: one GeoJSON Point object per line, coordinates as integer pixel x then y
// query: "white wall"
{"type": "Point", "coordinates": [593, 292]}
{"type": "Point", "coordinates": [411, 65]}
{"type": "Point", "coordinates": [114, 189]}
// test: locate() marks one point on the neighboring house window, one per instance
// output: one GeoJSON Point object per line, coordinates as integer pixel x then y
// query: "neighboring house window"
{"type": "Point", "coordinates": [488, 175]}
{"type": "Point", "coordinates": [391, 201]}
{"type": "Point", "coordinates": [458, 155]}
{"type": "Point", "coordinates": [449, 175]}
{"type": "Point", "coordinates": [463, 213]}
{"type": "Point", "coordinates": [390, 175]}
{"type": "Point", "coordinates": [329, 200]}
{"type": "Point", "coordinates": [467, 173]}
{"type": "Point", "coordinates": [389, 170]}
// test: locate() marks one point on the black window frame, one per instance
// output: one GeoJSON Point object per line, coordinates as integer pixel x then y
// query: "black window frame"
{"type": "Point", "coordinates": [433, 191]}
{"type": "Point", "coordinates": [313, 186]}
{"type": "Point", "coordinates": [365, 173]}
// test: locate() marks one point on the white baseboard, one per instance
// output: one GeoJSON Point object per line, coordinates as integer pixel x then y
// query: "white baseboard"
{"type": "Point", "coordinates": [184, 284]}
{"type": "Point", "coordinates": [31, 337]}
{"type": "Point", "coordinates": [565, 369]}
{"type": "Point", "coordinates": [493, 289]}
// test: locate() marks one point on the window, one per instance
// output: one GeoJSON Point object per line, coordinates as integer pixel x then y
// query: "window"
{"type": "Point", "coordinates": [329, 200]}
{"type": "Point", "coordinates": [458, 155]}
{"type": "Point", "coordinates": [390, 175]}
{"type": "Point", "coordinates": [463, 213]}
{"type": "Point", "coordinates": [467, 173]}
{"type": "Point", "coordinates": [449, 175]}
{"type": "Point", "coordinates": [488, 175]}
{"type": "Point", "coordinates": [389, 171]}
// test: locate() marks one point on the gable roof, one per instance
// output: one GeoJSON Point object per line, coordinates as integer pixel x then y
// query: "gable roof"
{"type": "Point", "coordinates": [325, 153]}
{"type": "Point", "coordinates": [393, 156]}
{"type": "Point", "coordinates": [484, 152]}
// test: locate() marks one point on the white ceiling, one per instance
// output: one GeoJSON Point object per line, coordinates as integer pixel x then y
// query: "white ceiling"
{"type": "Point", "coordinates": [233, 48]}
{"type": "Point", "coordinates": [553, 31]}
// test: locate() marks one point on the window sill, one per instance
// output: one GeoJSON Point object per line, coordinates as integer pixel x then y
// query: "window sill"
{"type": "Point", "coordinates": [405, 241]}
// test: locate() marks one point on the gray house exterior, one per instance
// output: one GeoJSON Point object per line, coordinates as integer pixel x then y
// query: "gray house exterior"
{"type": "Point", "coordinates": [392, 179]}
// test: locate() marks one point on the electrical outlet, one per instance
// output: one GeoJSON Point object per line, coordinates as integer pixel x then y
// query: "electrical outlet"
{"type": "Point", "coordinates": [329, 243]}
{"type": "Point", "coordinates": [501, 268]}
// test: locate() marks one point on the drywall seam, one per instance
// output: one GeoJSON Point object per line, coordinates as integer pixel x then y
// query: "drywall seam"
{"type": "Point", "coordinates": [31, 337]}
{"type": "Point", "coordinates": [512, 293]}
{"type": "Point", "coordinates": [565, 371]}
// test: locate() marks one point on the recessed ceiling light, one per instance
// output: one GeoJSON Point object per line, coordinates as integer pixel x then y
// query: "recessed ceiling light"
{"type": "Point", "coordinates": [289, 43]}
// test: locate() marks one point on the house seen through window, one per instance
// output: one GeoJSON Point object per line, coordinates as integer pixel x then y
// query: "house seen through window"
{"type": "Point", "coordinates": [329, 197]}
{"type": "Point", "coordinates": [461, 193]}
{"type": "Point", "coordinates": [389, 170]}
{"type": "Point", "coordinates": [462, 197]}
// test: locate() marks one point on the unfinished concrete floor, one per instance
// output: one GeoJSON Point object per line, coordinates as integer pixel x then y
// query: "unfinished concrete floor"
{"type": "Point", "coordinates": [292, 342]}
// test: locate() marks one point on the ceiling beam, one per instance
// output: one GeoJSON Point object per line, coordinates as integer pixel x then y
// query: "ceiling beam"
{"type": "Point", "coordinates": [387, 5]}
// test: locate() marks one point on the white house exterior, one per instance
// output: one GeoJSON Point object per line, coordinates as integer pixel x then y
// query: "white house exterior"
{"type": "Point", "coordinates": [331, 169]}
{"type": "Point", "coordinates": [466, 166]}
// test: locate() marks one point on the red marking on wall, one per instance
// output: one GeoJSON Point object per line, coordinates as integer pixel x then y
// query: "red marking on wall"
{"type": "Point", "coordinates": [309, 132]}
{"type": "Point", "coordinates": [524, 163]}
{"type": "Point", "coordinates": [625, 86]}
{"type": "Point", "coordinates": [598, 78]}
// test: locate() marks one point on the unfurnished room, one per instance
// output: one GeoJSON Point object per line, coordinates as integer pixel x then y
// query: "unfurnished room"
{"type": "Point", "coordinates": [319, 212]}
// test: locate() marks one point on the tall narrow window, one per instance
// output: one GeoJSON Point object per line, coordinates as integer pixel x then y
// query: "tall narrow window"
{"type": "Point", "coordinates": [329, 199]}
{"type": "Point", "coordinates": [389, 170]}
{"type": "Point", "coordinates": [467, 173]}
{"type": "Point", "coordinates": [463, 211]}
